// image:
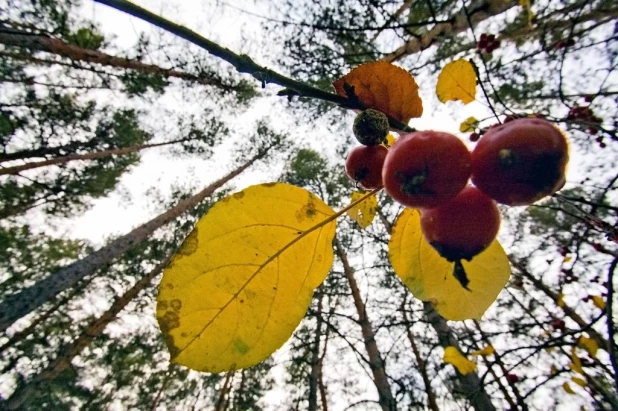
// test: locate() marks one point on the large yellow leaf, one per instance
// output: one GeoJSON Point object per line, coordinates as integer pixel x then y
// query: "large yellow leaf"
{"type": "Point", "coordinates": [430, 277]}
{"type": "Point", "coordinates": [385, 87]}
{"type": "Point", "coordinates": [243, 279]}
{"type": "Point", "coordinates": [457, 81]}
{"type": "Point", "coordinates": [463, 365]}
{"type": "Point", "coordinates": [365, 212]}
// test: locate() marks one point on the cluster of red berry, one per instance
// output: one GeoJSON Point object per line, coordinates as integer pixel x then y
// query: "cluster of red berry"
{"type": "Point", "coordinates": [586, 116]}
{"type": "Point", "coordinates": [515, 164]}
{"type": "Point", "coordinates": [488, 43]}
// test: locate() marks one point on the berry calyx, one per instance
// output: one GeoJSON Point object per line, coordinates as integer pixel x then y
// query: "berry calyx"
{"type": "Point", "coordinates": [371, 127]}
{"type": "Point", "coordinates": [520, 162]}
{"type": "Point", "coordinates": [425, 169]}
{"type": "Point", "coordinates": [364, 165]}
{"type": "Point", "coordinates": [464, 226]}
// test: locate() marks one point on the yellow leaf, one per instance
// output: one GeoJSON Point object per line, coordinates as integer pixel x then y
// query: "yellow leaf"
{"type": "Point", "coordinates": [553, 370]}
{"type": "Point", "coordinates": [579, 381]}
{"type": "Point", "coordinates": [463, 365]}
{"type": "Point", "coordinates": [457, 81]}
{"type": "Point", "coordinates": [568, 388]}
{"type": "Point", "coordinates": [243, 279]}
{"type": "Point", "coordinates": [430, 277]}
{"type": "Point", "coordinates": [489, 350]}
{"type": "Point", "coordinates": [468, 125]}
{"type": "Point", "coordinates": [567, 258]}
{"type": "Point", "coordinates": [385, 87]}
{"type": "Point", "coordinates": [390, 139]}
{"type": "Point", "coordinates": [589, 344]}
{"type": "Point", "coordinates": [598, 301]}
{"type": "Point", "coordinates": [560, 301]}
{"type": "Point", "coordinates": [576, 362]}
{"type": "Point", "coordinates": [365, 212]}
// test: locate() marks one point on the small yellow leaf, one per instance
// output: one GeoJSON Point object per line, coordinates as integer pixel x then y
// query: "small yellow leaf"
{"type": "Point", "coordinates": [568, 388]}
{"type": "Point", "coordinates": [463, 365]}
{"type": "Point", "coordinates": [589, 344]}
{"type": "Point", "coordinates": [390, 139]}
{"type": "Point", "coordinates": [567, 258]}
{"type": "Point", "coordinates": [385, 87]}
{"type": "Point", "coordinates": [553, 370]}
{"type": "Point", "coordinates": [457, 81]}
{"type": "Point", "coordinates": [550, 349]}
{"type": "Point", "coordinates": [244, 278]}
{"type": "Point", "coordinates": [598, 301]}
{"type": "Point", "coordinates": [489, 350]}
{"type": "Point", "coordinates": [365, 212]}
{"type": "Point", "coordinates": [576, 362]}
{"type": "Point", "coordinates": [430, 277]}
{"type": "Point", "coordinates": [468, 125]}
{"type": "Point", "coordinates": [560, 301]}
{"type": "Point", "coordinates": [579, 381]}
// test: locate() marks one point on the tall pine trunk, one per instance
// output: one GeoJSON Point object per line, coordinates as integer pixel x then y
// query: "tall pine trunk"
{"type": "Point", "coordinates": [16, 38]}
{"type": "Point", "coordinates": [88, 156]}
{"type": "Point", "coordinates": [73, 349]}
{"type": "Point", "coordinates": [376, 363]}
{"type": "Point", "coordinates": [19, 305]}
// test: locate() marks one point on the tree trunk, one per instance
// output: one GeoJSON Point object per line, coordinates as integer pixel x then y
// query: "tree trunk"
{"type": "Point", "coordinates": [18, 305]}
{"type": "Point", "coordinates": [376, 363]}
{"type": "Point", "coordinates": [87, 156]}
{"type": "Point", "coordinates": [470, 383]}
{"type": "Point", "coordinates": [70, 351]}
{"type": "Point", "coordinates": [422, 366]}
{"type": "Point", "coordinates": [16, 38]}
{"type": "Point", "coordinates": [316, 361]}
{"type": "Point", "coordinates": [458, 23]}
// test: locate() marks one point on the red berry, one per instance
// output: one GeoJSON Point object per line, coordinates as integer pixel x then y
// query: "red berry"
{"type": "Point", "coordinates": [364, 165]}
{"type": "Point", "coordinates": [464, 226]}
{"type": "Point", "coordinates": [425, 169]}
{"type": "Point", "coordinates": [520, 162]}
{"type": "Point", "coordinates": [512, 378]}
{"type": "Point", "coordinates": [474, 137]}
{"type": "Point", "coordinates": [558, 324]}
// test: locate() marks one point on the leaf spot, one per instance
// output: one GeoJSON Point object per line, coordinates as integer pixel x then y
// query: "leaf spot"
{"type": "Point", "coordinates": [162, 305]}
{"type": "Point", "coordinates": [269, 185]}
{"type": "Point", "coordinates": [239, 195]}
{"type": "Point", "coordinates": [240, 346]}
{"type": "Point", "coordinates": [189, 246]}
{"type": "Point", "coordinates": [176, 304]}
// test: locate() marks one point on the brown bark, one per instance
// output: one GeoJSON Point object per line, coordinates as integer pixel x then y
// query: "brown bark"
{"type": "Point", "coordinates": [73, 349]}
{"type": "Point", "coordinates": [222, 401]}
{"type": "Point", "coordinates": [17, 38]}
{"type": "Point", "coordinates": [87, 156]}
{"type": "Point", "coordinates": [478, 11]}
{"type": "Point", "coordinates": [470, 383]}
{"type": "Point", "coordinates": [18, 305]}
{"type": "Point", "coordinates": [376, 363]}
{"type": "Point", "coordinates": [316, 359]}
{"type": "Point", "coordinates": [422, 366]}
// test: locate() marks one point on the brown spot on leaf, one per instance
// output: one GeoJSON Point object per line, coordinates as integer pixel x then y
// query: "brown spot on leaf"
{"type": "Point", "coordinates": [162, 305]}
{"type": "Point", "coordinates": [239, 195]}
{"type": "Point", "coordinates": [174, 351]}
{"type": "Point", "coordinates": [176, 304]}
{"type": "Point", "coordinates": [307, 211]}
{"type": "Point", "coordinates": [189, 246]}
{"type": "Point", "coordinates": [169, 321]}
{"type": "Point", "coordinates": [170, 286]}
{"type": "Point", "coordinates": [269, 185]}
